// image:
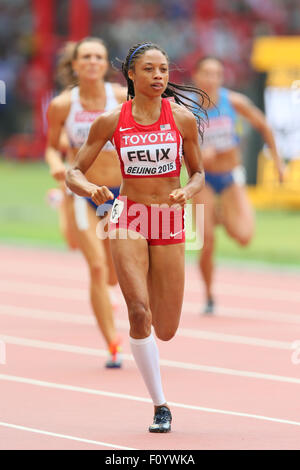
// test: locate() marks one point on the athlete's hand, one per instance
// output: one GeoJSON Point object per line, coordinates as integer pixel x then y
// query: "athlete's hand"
{"type": "Point", "coordinates": [178, 198]}
{"type": "Point", "coordinates": [100, 194]}
{"type": "Point", "coordinates": [281, 170]}
{"type": "Point", "coordinates": [58, 172]}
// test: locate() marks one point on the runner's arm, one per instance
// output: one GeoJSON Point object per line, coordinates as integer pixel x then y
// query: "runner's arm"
{"type": "Point", "coordinates": [193, 161]}
{"type": "Point", "coordinates": [56, 118]}
{"type": "Point", "coordinates": [256, 117]}
{"type": "Point", "coordinates": [100, 133]}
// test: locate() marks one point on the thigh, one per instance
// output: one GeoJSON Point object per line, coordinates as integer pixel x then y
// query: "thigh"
{"type": "Point", "coordinates": [237, 213]}
{"type": "Point", "coordinates": [131, 260]}
{"type": "Point", "coordinates": [166, 285]}
{"type": "Point", "coordinates": [89, 244]}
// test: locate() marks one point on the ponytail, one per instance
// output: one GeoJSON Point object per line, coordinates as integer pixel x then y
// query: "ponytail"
{"type": "Point", "coordinates": [65, 74]}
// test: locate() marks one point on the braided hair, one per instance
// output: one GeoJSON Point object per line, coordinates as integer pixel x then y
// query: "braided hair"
{"type": "Point", "coordinates": [198, 108]}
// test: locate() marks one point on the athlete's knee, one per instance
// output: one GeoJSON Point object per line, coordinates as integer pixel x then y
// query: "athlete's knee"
{"type": "Point", "coordinates": [165, 334]}
{"type": "Point", "coordinates": [209, 243]}
{"type": "Point", "coordinates": [243, 237]}
{"type": "Point", "coordinates": [98, 271]}
{"type": "Point", "coordinates": [244, 240]}
{"type": "Point", "coordinates": [139, 317]}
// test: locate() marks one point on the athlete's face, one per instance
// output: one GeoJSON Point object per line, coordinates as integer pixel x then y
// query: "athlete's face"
{"type": "Point", "coordinates": [209, 76]}
{"type": "Point", "coordinates": [150, 74]}
{"type": "Point", "coordinates": [91, 62]}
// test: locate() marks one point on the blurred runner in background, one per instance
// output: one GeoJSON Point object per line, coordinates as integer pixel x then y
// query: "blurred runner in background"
{"type": "Point", "coordinates": [73, 112]}
{"type": "Point", "coordinates": [224, 174]}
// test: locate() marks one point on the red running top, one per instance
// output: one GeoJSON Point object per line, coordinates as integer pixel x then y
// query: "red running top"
{"type": "Point", "coordinates": [148, 151]}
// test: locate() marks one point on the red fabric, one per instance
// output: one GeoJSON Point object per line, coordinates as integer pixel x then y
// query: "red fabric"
{"type": "Point", "coordinates": [205, 10]}
{"type": "Point", "coordinates": [158, 225]}
{"type": "Point", "coordinates": [79, 19]}
{"type": "Point", "coordinates": [43, 14]}
{"type": "Point", "coordinates": [148, 151]}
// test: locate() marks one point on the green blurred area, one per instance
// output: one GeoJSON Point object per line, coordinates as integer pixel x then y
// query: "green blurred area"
{"type": "Point", "coordinates": [25, 218]}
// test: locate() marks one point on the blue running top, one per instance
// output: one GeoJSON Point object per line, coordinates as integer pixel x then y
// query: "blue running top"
{"type": "Point", "coordinates": [220, 133]}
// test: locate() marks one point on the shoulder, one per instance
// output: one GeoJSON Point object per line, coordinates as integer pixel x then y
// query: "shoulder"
{"type": "Point", "coordinates": [238, 100]}
{"type": "Point", "coordinates": [120, 92]}
{"type": "Point", "coordinates": [59, 106]}
{"type": "Point", "coordinates": [106, 123]}
{"type": "Point", "coordinates": [184, 119]}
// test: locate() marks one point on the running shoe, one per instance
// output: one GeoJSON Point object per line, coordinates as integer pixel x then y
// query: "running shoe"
{"type": "Point", "coordinates": [162, 420]}
{"type": "Point", "coordinates": [114, 360]}
{"type": "Point", "coordinates": [209, 308]}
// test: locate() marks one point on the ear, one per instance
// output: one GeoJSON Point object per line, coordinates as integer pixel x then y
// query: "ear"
{"type": "Point", "coordinates": [131, 74]}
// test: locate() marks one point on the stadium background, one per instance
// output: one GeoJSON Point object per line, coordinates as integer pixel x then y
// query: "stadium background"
{"type": "Point", "coordinates": [31, 33]}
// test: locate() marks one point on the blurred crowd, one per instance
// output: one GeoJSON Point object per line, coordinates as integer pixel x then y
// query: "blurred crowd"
{"type": "Point", "coordinates": [186, 29]}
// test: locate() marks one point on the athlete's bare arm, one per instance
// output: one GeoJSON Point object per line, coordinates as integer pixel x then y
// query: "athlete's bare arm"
{"type": "Point", "coordinates": [244, 106]}
{"type": "Point", "coordinates": [187, 125]}
{"type": "Point", "coordinates": [101, 132]}
{"type": "Point", "coordinates": [57, 114]}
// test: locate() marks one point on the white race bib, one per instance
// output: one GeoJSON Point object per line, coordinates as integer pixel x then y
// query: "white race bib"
{"type": "Point", "coordinates": [116, 211]}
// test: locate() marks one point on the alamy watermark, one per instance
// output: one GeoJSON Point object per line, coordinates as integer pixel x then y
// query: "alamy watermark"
{"type": "Point", "coordinates": [156, 222]}
{"type": "Point", "coordinates": [2, 92]}
{"type": "Point", "coordinates": [2, 353]}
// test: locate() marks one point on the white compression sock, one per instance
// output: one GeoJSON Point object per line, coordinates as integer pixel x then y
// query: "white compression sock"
{"type": "Point", "coordinates": [145, 353]}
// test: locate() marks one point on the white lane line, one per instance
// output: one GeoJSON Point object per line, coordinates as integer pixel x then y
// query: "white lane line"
{"type": "Point", "coordinates": [242, 313]}
{"type": "Point", "coordinates": [64, 436]}
{"type": "Point", "coordinates": [46, 315]}
{"type": "Point", "coordinates": [261, 293]}
{"type": "Point", "coordinates": [128, 357]}
{"type": "Point", "coordinates": [79, 269]}
{"type": "Point", "coordinates": [255, 292]}
{"type": "Point", "coordinates": [57, 386]}
{"type": "Point", "coordinates": [44, 290]}
{"type": "Point", "coordinates": [67, 293]}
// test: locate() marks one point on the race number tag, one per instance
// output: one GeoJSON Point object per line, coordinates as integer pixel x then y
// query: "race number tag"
{"type": "Point", "coordinates": [116, 211]}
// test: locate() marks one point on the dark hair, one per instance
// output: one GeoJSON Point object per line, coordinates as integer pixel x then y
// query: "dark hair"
{"type": "Point", "coordinates": [172, 90]}
{"type": "Point", "coordinates": [87, 39]}
{"type": "Point", "coordinates": [205, 58]}
{"type": "Point", "coordinates": [65, 73]}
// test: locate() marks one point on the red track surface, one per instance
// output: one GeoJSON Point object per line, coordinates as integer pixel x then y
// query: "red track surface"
{"type": "Point", "coordinates": [229, 379]}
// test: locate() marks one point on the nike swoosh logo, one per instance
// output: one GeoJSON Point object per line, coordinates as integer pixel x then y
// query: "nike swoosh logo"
{"type": "Point", "coordinates": [177, 233]}
{"type": "Point", "coordinates": [125, 129]}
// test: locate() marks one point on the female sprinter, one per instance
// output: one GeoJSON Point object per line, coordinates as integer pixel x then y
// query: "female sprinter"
{"type": "Point", "coordinates": [74, 110]}
{"type": "Point", "coordinates": [223, 173]}
{"type": "Point", "coordinates": [64, 200]}
{"type": "Point", "coordinates": [150, 134]}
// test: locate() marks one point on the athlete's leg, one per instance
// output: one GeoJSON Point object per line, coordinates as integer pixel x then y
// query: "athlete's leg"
{"type": "Point", "coordinates": [67, 222]}
{"type": "Point", "coordinates": [166, 286]}
{"type": "Point", "coordinates": [131, 258]}
{"type": "Point", "coordinates": [93, 251]}
{"type": "Point", "coordinates": [206, 262]}
{"type": "Point", "coordinates": [112, 275]}
{"type": "Point", "coordinates": [237, 214]}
